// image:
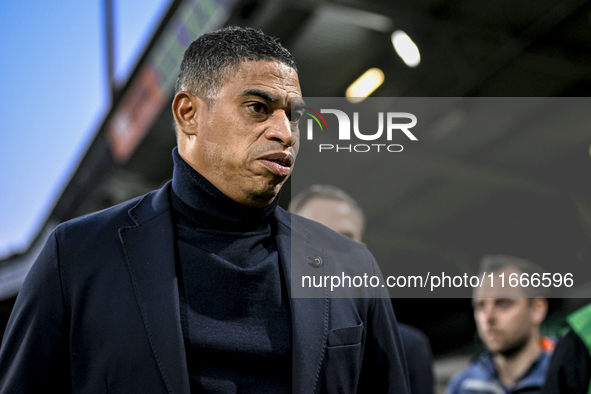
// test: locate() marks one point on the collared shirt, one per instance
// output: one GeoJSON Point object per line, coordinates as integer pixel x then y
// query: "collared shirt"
{"type": "Point", "coordinates": [482, 377]}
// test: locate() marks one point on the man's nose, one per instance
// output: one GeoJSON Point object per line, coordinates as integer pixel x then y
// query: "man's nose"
{"type": "Point", "coordinates": [489, 314]}
{"type": "Point", "coordinates": [280, 129]}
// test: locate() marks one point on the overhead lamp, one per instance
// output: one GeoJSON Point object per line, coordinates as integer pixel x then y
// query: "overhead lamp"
{"type": "Point", "coordinates": [365, 85]}
{"type": "Point", "coordinates": [406, 48]}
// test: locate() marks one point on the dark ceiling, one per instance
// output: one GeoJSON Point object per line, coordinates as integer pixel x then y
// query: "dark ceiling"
{"type": "Point", "coordinates": [468, 48]}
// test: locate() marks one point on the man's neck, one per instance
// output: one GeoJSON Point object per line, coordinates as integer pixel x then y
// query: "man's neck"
{"type": "Point", "coordinates": [511, 368]}
{"type": "Point", "coordinates": [205, 206]}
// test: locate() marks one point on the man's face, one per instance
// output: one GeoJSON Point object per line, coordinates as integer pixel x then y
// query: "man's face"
{"type": "Point", "coordinates": [505, 318]}
{"type": "Point", "coordinates": [244, 142]}
{"type": "Point", "coordinates": [336, 215]}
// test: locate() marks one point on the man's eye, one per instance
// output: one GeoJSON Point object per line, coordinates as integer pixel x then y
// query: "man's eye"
{"type": "Point", "coordinates": [504, 303]}
{"type": "Point", "coordinates": [295, 117]}
{"type": "Point", "coordinates": [258, 107]}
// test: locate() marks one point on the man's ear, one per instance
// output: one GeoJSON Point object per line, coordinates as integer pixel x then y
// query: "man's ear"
{"type": "Point", "coordinates": [185, 109]}
{"type": "Point", "coordinates": [539, 308]}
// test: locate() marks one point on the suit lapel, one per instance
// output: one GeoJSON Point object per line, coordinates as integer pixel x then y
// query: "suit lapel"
{"type": "Point", "coordinates": [149, 248]}
{"type": "Point", "coordinates": [309, 315]}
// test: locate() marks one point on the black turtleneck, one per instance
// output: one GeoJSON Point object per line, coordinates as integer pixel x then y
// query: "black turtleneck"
{"type": "Point", "coordinates": [234, 304]}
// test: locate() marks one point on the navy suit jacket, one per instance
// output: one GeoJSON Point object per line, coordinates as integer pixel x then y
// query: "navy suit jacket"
{"type": "Point", "coordinates": [99, 311]}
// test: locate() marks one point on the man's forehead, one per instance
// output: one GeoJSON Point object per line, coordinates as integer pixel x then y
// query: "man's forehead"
{"type": "Point", "coordinates": [275, 67]}
{"type": "Point", "coordinates": [328, 204]}
{"type": "Point", "coordinates": [499, 287]}
{"type": "Point", "coordinates": [272, 80]}
{"type": "Point", "coordinates": [328, 209]}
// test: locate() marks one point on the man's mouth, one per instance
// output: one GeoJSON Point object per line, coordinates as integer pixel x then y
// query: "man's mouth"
{"type": "Point", "coordinates": [494, 334]}
{"type": "Point", "coordinates": [279, 163]}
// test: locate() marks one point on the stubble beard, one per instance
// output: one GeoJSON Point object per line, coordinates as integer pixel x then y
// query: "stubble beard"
{"type": "Point", "coordinates": [513, 348]}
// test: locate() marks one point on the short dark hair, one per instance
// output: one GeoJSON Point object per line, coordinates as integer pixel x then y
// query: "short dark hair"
{"type": "Point", "coordinates": [216, 55]}
{"type": "Point", "coordinates": [327, 192]}
{"type": "Point", "coordinates": [500, 262]}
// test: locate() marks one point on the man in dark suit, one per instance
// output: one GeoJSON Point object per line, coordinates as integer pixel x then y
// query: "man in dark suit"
{"type": "Point", "coordinates": [197, 287]}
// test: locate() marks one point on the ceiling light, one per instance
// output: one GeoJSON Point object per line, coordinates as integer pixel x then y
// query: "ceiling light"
{"type": "Point", "coordinates": [406, 48]}
{"type": "Point", "coordinates": [357, 17]}
{"type": "Point", "coordinates": [365, 85]}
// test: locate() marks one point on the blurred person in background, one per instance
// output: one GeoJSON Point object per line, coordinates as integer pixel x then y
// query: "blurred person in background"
{"type": "Point", "coordinates": [570, 367]}
{"type": "Point", "coordinates": [334, 208]}
{"type": "Point", "coordinates": [187, 289]}
{"type": "Point", "coordinates": [508, 320]}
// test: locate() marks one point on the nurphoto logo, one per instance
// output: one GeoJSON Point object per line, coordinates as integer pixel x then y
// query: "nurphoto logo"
{"type": "Point", "coordinates": [395, 122]}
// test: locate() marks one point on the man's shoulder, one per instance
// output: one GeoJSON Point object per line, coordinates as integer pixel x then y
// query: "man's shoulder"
{"type": "Point", "coordinates": [536, 375]}
{"type": "Point", "coordinates": [413, 338]}
{"type": "Point", "coordinates": [480, 371]}
{"type": "Point", "coordinates": [117, 216]}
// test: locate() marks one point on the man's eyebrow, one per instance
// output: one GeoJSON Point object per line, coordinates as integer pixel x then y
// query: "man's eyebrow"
{"type": "Point", "coordinates": [260, 93]}
{"type": "Point", "coordinates": [266, 96]}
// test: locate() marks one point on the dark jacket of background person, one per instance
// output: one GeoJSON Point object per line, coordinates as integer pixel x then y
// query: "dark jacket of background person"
{"type": "Point", "coordinates": [570, 368]}
{"type": "Point", "coordinates": [419, 359]}
{"type": "Point", "coordinates": [104, 317]}
{"type": "Point", "coordinates": [336, 209]}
